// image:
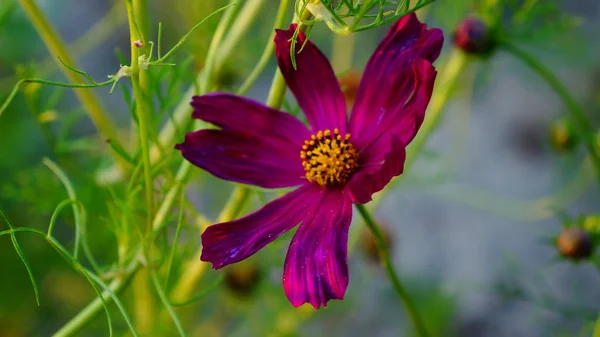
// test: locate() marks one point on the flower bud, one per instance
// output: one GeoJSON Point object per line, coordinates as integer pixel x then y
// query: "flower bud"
{"type": "Point", "coordinates": [368, 243]}
{"type": "Point", "coordinates": [138, 43]}
{"type": "Point", "coordinates": [242, 278]}
{"type": "Point", "coordinates": [349, 82]}
{"type": "Point", "coordinates": [591, 223]}
{"type": "Point", "coordinates": [563, 136]}
{"type": "Point", "coordinates": [474, 36]}
{"type": "Point", "coordinates": [575, 243]}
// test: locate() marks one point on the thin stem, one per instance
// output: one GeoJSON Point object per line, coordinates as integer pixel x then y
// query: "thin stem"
{"type": "Point", "coordinates": [211, 56]}
{"type": "Point", "coordinates": [582, 124]}
{"type": "Point", "coordinates": [88, 99]}
{"type": "Point", "coordinates": [144, 302]}
{"type": "Point", "coordinates": [234, 205]}
{"type": "Point", "coordinates": [141, 113]}
{"type": "Point", "coordinates": [238, 27]}
{"type": "Point", "coordinates": [386, 262]}
{"type": "Point", "coordinates": [91, 310]}
{"type": "Point", "coordinates": [73, 197]}
{"type": "Point", "coordinates": [266, 56]}
{"type": "Point", "coordinates": [597, 328]}
{"type": "Point", "coordinates": [342, 52]}
{"type": "Point", "coordinates": [141, 17]}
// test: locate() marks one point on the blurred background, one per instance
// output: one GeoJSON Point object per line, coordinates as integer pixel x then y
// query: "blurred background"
{"type": "Point", "coordinates": [472, 223]}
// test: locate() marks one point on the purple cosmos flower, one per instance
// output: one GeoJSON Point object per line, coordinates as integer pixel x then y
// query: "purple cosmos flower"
{"type": "Point", "coordinates": [334, 162]}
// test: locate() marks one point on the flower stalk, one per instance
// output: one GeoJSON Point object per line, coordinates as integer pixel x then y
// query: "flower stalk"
{"type": "Point", "coordinates": [144, 302]}
{"type": "Point", "coordinates": [386, 262]}
{"type": "Point", "coordinates": [95, 307]}
{"type": "Point", "coordinates": [582, 124]}
{"type": "Point", "coordinates": [141, 112]}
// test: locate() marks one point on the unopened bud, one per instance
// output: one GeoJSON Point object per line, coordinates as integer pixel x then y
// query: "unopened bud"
{"type": "Point", "coordinates": [138, 43]}
{"type": "Point", "coordinates": [349, 82]}
{"type": "Point", "coordinates": [591, 223]}
{"type": "Point", "coordinates": [563, 136]}
{"type": "Point", "coordinates": [242, 278]}
{"type": "Point", "coordinates": [474, 36]}
{"type": "Point", "coordinates": [369, 245]}
{"type": "Point", "coordinates": [143, 62]}
{"type": "Point", "coordinates": [574, 243]}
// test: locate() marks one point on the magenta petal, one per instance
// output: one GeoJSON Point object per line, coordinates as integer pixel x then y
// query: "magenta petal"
{"type": "Point", "coordinates": [407, 123]}
{"type": "Point", "coordinates": [231, 112]}
{"type": "Point", "coordinates": [316, 266]}
{"type": "Point", "coordinates": [313, 82]}
{"type": "Point", "coordinates": [233, 241]}
{"type": "Point", "coordinates": [373, 177]}
{"type": "Point", "coordinates": [245, 158]}
{"type": "Point", "coordinates": [390, 79]}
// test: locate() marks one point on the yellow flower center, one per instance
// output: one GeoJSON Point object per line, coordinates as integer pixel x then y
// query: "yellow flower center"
{"type": "Point", "coordinates": [328, 158]}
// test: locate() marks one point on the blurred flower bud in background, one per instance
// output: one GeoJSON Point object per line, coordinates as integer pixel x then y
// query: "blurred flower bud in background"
{"type": "Point", "coordinates": [368, 244]}
{"type": "Point", "coordinates": [563, 136]}
{"type": "Point", "coordinates": [575, 243]}
{"type": "Point", "coordinates": [242, 278]}
{"type": "Point", "coordinates": [349, 82]}
{"type": "Point", "coordinates": [474, 36]}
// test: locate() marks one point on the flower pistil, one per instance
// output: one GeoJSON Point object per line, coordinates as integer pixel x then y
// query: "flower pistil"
{"type": "Point", "coordinates": [329, 159]}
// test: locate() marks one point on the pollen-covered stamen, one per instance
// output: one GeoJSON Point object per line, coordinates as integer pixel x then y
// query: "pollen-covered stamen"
{"type": "Point", "coordinates": [329, 159]}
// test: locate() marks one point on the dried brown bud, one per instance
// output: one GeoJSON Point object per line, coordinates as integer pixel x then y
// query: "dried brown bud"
{"type": "Point", "coordinates": [574, 243]}
{"type": "Point", "coordinates": [242, 278]}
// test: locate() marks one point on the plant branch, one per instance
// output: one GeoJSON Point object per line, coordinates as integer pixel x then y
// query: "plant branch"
{"type": "Point", "coordinates": [386, 262]}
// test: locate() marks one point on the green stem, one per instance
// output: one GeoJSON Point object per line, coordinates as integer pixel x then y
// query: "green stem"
{"type": "Point", "coordinates": [234, 205]}
{"type": "Point", "coordinates": [211, 56]}
{"type": "Point", "coordinates": [142, 114]}
{"type": "Point", "coordinates": [88, 99]}
{"type": "Point", "coordinates": [582, 124]}
{"type": "Point", "coordinates": [238, 29]}
{"type": "Point", "coordinates": [141, 17]}
{"type": "Point", "coordinates": [386, 262]}
{"type": "Point", "coordinates": [91, 310]}
{"type": "Point", "coordinates": [266, 55]}
{"type": "Point", "coordinates": [144, 302]}
{"type": "Point", "coordinates": [342, 52]}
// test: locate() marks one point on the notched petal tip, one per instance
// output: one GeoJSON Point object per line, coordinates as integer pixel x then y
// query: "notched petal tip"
{"type": "Point", "coordinates": [316, 266]}
{"type": "Point", "coordinates": [389, 79]}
